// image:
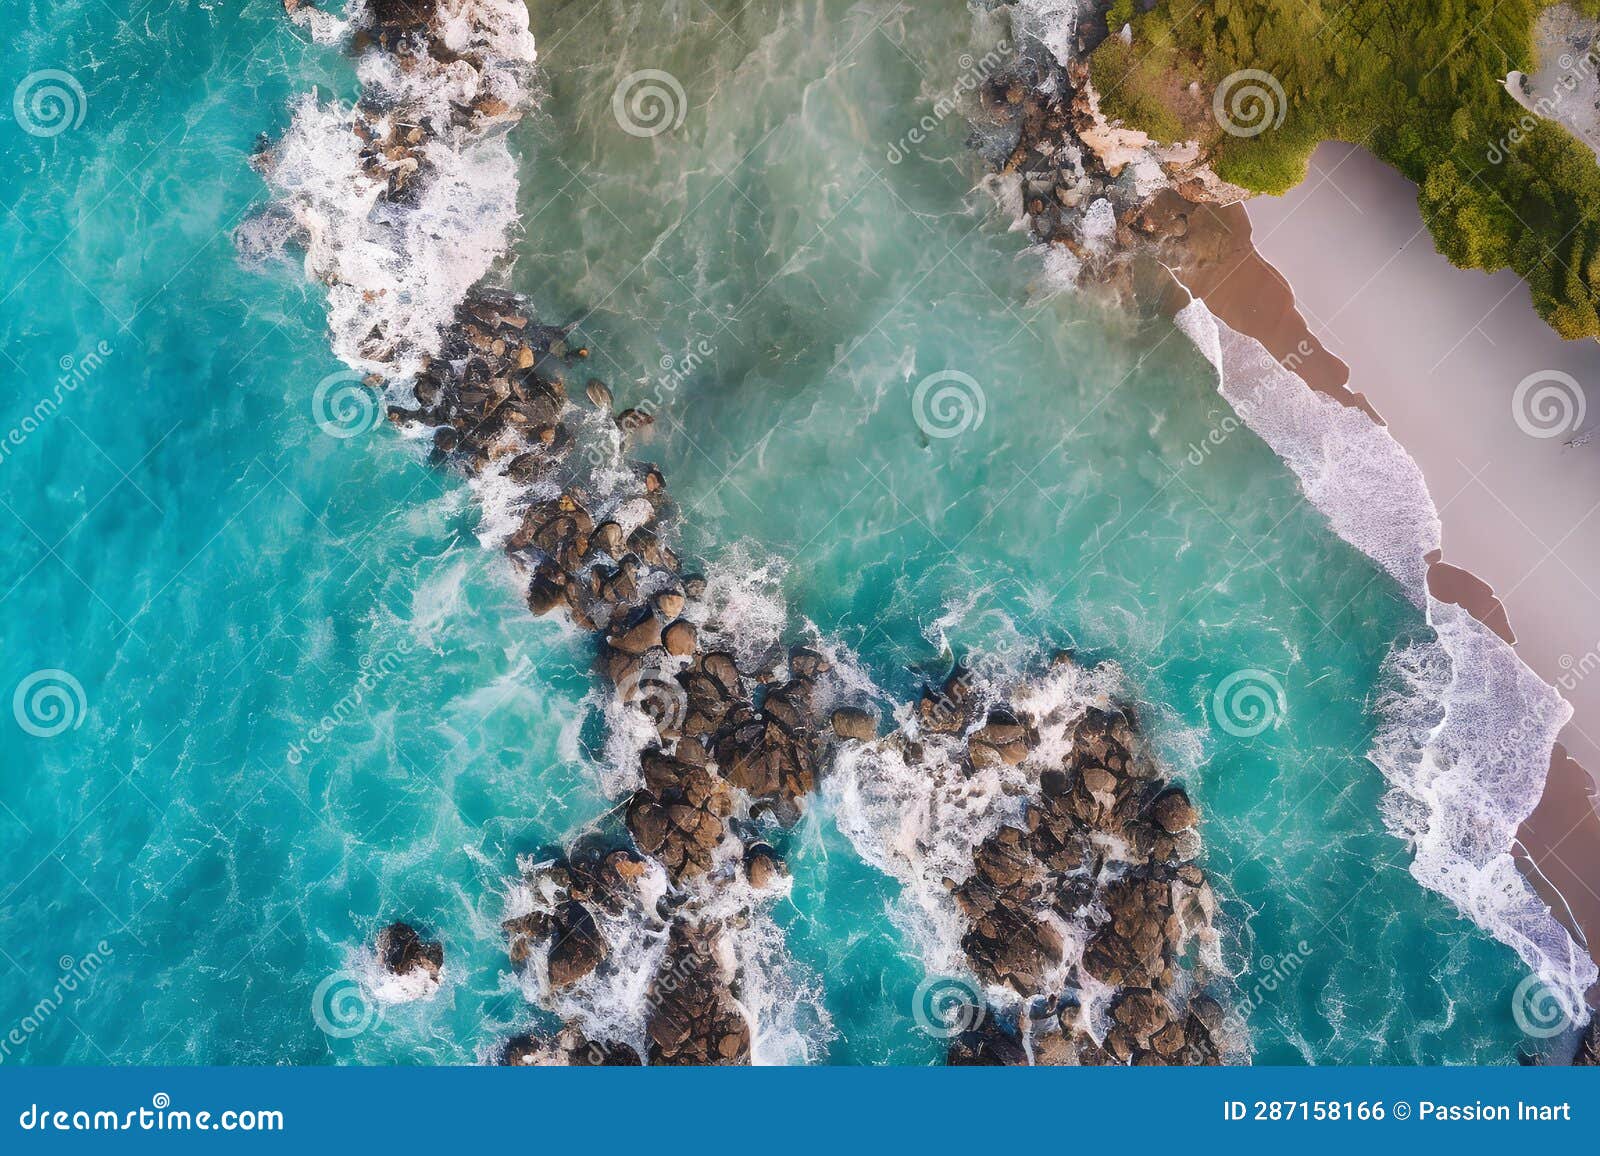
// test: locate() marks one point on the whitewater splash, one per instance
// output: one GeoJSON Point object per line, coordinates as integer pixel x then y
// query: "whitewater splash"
{"type": "Point", "coordinates": [1049, 874]}
{"type": "Point", "coordinates": [404, 204]}
{"type": "Point", "coordinates": [915, 810]}
{"type": "Point", "coordinates": [1467, 728]}
{"type": "Point", "coordinates": [406, 200]}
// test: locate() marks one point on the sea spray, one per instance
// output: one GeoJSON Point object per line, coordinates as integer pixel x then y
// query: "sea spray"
{"type": "Point", "coordinates": [1049, 875]}
{"type": "Point", "coordinates": [1467, 729]}
{"type": "Point", "coordinates": [403, 204]}
{"type": "Point", "coordinates": [406, 200]}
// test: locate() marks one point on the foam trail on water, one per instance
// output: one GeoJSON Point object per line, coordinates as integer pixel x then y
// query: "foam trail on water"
{"type": "Point", "coordinates": [404, 204]}
{"type": "Point", "coordinates": [397, 268]}
{"type": "Point", "coordinates": [1467, 728]}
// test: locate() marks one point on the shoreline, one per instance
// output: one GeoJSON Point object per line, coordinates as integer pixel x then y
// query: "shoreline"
{"type": "Point", "coordinates": [1246, 278]}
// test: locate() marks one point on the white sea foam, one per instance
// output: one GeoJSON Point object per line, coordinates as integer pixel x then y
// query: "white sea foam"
{"type": "Point", "coordinates": [385, 987]}
{"type": "Point", "coordinates": [324, 27]}
{"type": "Point", "coordinates": [1050, 22]}
{"type": "Point", "coordinates": [611, 1003]}
{"type": "Point", "coordinates": [1467, 728]}
{"type": "Point", "coordinates": [781, 999]}
{"type": "Point", "coordinates": [396, 272]}
{"type": "Point", "coordinates": [920, 820]}
{"type": "Point", "coordinates": [743, 610]}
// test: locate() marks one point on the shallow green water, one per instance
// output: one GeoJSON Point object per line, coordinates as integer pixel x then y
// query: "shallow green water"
{"type": "Point", "coordinates": [218, 575]}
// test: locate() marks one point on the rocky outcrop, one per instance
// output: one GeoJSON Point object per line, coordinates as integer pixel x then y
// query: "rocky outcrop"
{"type": "Point", "coordinates": [403, 953]}
{"type": "Point", "coordinates": [693, 1016]}
{"type": "Point", "coordinates": [1081, 184]}
{"type": "Point", "coordinates": [1082, 906]}
{"type": "Point", "coordinates": [569, 1048]}
{"type": "Point", "coordinates": [590, 533]}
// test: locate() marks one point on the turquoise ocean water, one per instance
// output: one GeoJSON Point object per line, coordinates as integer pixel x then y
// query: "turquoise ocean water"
{"type": "Point", "coordinates": [219, 576]}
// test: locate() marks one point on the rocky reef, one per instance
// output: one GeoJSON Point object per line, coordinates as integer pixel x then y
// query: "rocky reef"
{"type": "Point", "coordinates": [1058, 868]}
{"type": "Point", "coordinates": [1101, 868]}
{"type": "Point", "coordinates": [1092, 192]}
{"type": "Point", "coordinates": [728, 751]}
{"type": "Point", "coordinates": [649, 938]}
{"type": "Point", "coordinates": [402, 952]}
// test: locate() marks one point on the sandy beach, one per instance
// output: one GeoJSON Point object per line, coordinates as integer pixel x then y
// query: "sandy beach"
{"type": "Point", "coordinates": [1378, 319]}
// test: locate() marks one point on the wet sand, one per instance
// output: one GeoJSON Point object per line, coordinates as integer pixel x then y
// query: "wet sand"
{"type": "Point", "coordinates": [1439, 352]}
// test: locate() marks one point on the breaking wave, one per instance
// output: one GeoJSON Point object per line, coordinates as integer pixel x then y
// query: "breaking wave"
{"type": "Point", "coordinates": [1466, 728]}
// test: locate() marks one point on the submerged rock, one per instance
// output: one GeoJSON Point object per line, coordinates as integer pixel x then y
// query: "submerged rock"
{"type": "Point", "coordinates": [853, 723]}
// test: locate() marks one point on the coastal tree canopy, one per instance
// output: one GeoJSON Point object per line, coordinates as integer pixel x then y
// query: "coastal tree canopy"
{"type": "Point", "coordinates": [1416, 81]}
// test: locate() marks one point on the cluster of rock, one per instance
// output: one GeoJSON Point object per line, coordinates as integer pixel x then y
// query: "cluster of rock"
{"type": "Point", "coordinates": [1088, 188]}
{"type": "Point", "coordinates": [732, 751]}
{"type": "Point", "coordinates": [731, 747]}
{"type": "Point", "coordinates": [1092, 897]}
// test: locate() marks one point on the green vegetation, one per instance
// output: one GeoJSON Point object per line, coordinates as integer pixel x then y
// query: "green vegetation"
{"type": "Point", "coordinates": [1416, 81]}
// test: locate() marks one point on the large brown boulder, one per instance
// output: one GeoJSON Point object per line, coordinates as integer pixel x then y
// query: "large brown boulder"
{"type": "Point", "coordinates": [578, 947]}
{"type": "Point", "coordinates": [402, 951]}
